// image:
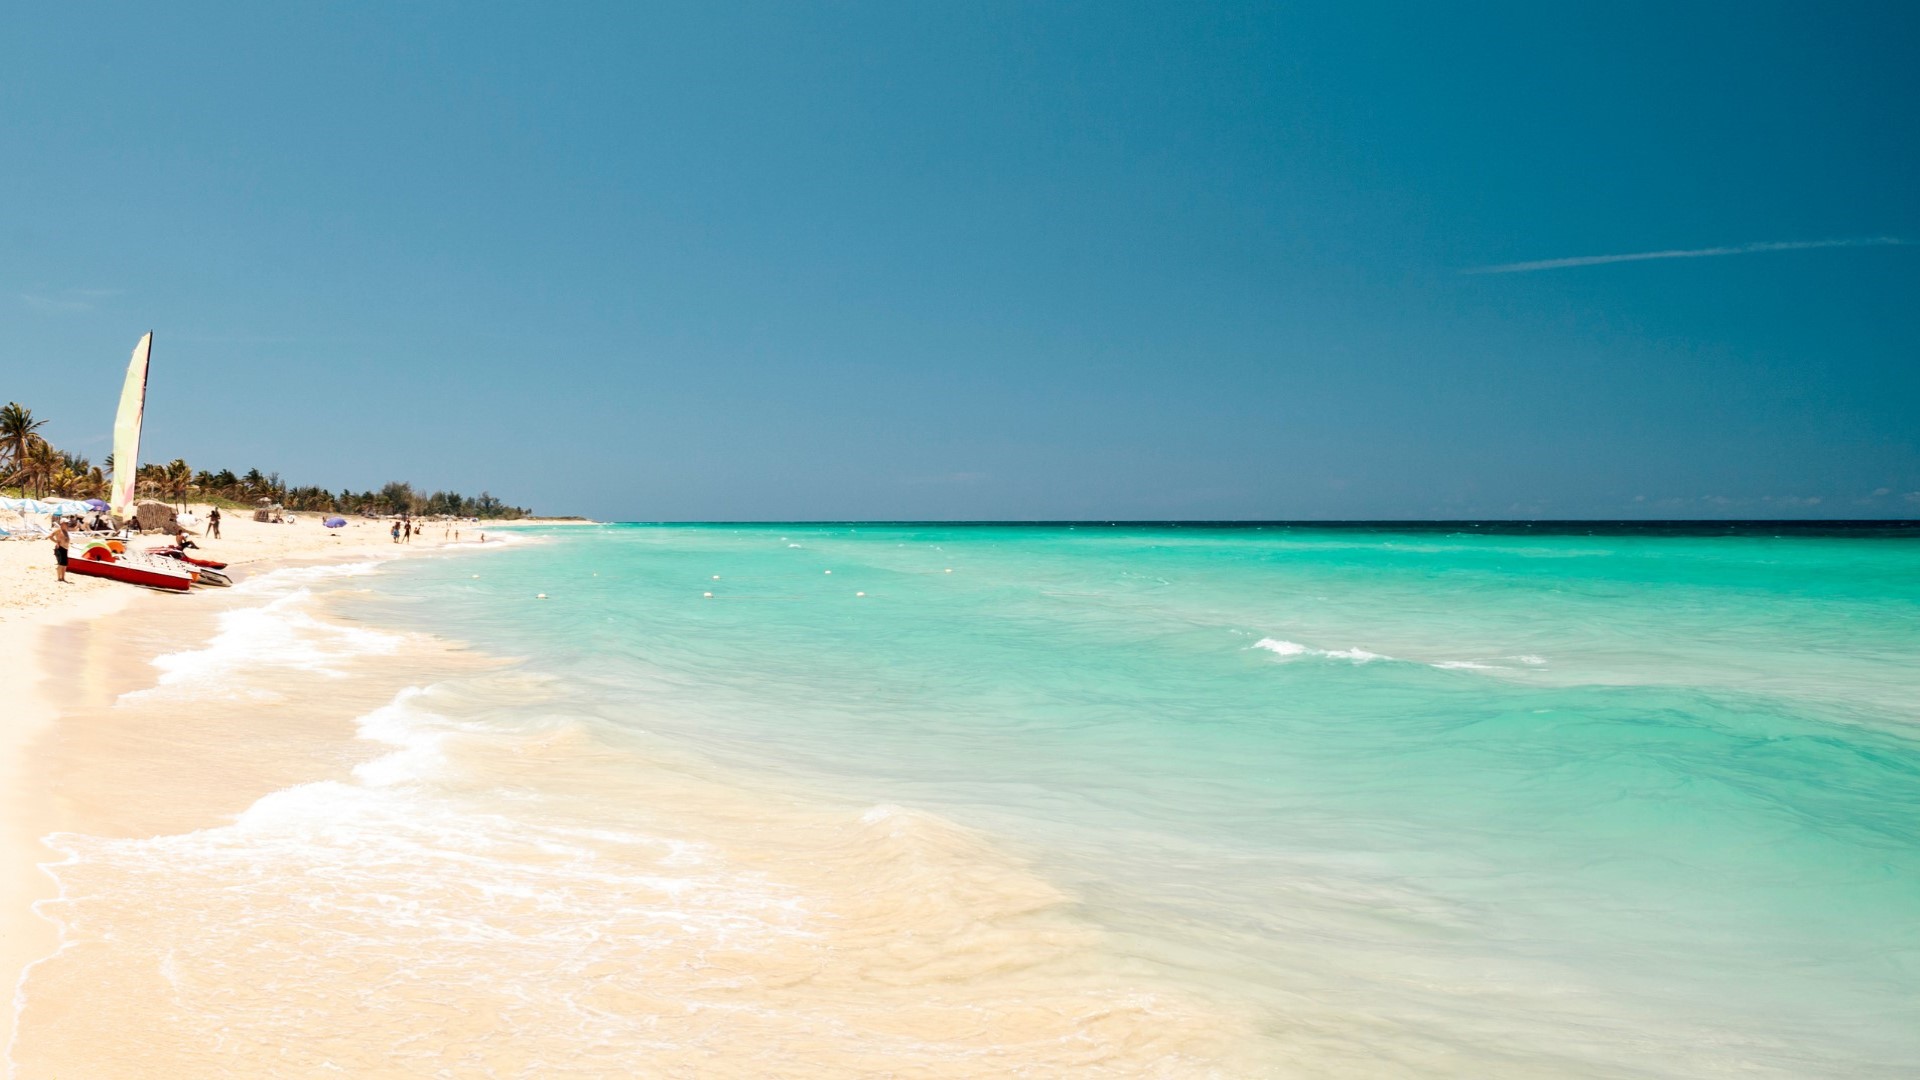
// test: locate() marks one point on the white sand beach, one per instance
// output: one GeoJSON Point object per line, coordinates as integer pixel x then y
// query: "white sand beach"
{"type": "Point", "coordinates": [35, 610]}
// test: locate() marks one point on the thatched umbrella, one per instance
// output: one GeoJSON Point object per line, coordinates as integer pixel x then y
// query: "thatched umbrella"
{"type": "Point", "coordinates": [156, 517]}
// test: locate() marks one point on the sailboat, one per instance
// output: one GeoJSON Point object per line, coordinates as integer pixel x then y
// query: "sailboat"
{"type": "Point", "coordinates": [161, 568]}
{"type": "Point", "coordinates": [97, 558]}
{"type": "Point", "coordinates": [126, 430]}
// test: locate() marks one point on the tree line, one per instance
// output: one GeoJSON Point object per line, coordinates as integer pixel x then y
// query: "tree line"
{"type": "Point", "coordinates": [33, 466]}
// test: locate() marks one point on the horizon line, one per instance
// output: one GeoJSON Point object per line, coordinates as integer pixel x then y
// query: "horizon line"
{"type": "Point", "coordinates": [773, 522]}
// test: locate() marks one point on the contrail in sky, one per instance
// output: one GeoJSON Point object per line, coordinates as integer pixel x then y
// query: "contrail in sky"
{"type": "Point", "coordinates": [1692, 253]}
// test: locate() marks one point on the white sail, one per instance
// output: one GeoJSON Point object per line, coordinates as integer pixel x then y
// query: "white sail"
{"type": "Point", "coordinates": [126, 428]}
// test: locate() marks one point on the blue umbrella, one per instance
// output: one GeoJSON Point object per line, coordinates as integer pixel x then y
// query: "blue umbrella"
{"type": "Point", "coordinates": [58, 507]}
{"type": "Point", "coordinates": [334, 522]}
{"type": "Point", "coordinates": [98, 504]}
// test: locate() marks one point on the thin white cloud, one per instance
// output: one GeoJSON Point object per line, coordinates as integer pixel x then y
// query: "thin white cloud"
{"type": "Point", "coordinates": [1689, 253]}
{"type": "Point", "coordinates": [67, 300]}
{"type": "Point", "coordinates": [231, 339]}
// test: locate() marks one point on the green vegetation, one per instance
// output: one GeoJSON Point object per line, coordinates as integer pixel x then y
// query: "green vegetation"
{"type": "Point", "coordinates": [32, 466]}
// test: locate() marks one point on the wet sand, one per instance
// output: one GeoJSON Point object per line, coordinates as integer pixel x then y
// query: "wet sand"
{"type": "Point", "coordinates": [64, 657]}
{"type": "Point", "coordinates": [31, 703]}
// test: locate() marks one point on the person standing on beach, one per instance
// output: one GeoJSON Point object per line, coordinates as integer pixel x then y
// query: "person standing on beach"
{"type": "Point", "coordinates": [396, 530]}
{"type": "Point", "coordinates": [409, 531]}
{"type": "Point", "coordinates": [213, 523]}
{"type": "Point", "coordinates": [60, 541]}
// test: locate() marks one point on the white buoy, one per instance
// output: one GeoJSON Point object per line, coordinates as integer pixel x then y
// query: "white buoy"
{"type": "Point", "coordinates": [476, 577]}
{"type": "Point", "coordinates": [707, 595]}
{"type": "Point", "coordinates": [859, 594]}
{"type": "Point", "coordinates": [949, 569]}
{"type": "Point", "coordinates": [716, 577]}
{"type": "Point", "coordinates": [829, 571]}
{"type": "Point", "coordinates": [539, 596]}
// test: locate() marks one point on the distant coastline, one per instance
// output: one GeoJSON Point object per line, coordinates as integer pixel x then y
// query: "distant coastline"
{"type": "Point", "coordinates": [30, 465]}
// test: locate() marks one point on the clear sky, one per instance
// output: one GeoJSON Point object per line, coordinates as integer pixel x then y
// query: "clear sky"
{"type": "Point", "coordinates": [945, 260]}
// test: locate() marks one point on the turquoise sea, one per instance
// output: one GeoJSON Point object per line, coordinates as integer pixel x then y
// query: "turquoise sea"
{"type": "Point", "coordinates": [1608, 801]}
{"type": "Point", "coordinates": [1623, 801]}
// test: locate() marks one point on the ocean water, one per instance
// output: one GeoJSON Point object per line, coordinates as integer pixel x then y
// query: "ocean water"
{"type": "Point", "coordinates": [936, 800]}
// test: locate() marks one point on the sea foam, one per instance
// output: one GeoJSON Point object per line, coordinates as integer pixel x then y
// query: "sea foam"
{"type": "Point", "coordinates": [282, 633]}
{"type": "Point", "coordinates": [1290, 649]}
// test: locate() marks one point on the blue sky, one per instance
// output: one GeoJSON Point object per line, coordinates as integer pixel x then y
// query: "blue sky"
{"type": "Point", "coordinates": [1056, 260]}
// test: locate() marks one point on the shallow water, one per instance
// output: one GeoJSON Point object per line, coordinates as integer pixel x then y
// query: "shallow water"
{"type": "Point", "coordinates": [1042, 801]}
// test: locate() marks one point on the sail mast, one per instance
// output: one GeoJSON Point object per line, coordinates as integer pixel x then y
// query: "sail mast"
{"type": "Point", "coordinates": [126, 429]}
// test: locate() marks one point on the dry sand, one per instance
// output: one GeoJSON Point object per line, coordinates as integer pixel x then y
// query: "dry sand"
{"type": "Point", "coordinates": [35, 611]}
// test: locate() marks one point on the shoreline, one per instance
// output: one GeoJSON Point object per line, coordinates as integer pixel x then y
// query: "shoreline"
{"type": "Point", "coordinates": [34, 615]}
{"type": "Point", "coordinates": [863, 899]}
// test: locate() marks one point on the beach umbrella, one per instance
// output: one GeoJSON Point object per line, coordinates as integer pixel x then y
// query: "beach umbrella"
{"type": "Point", "coordinates": [335, 522]}
{"type": "Point", "coordinates": [59, 507]}
{"type": "Point", "coordinates": [99, 505]}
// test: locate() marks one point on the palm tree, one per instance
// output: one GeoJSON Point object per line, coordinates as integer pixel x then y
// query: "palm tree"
{"type": "Point", "coordinates": [39, 467]}
{"type": "Point", "coordinates": [19, 431]}
{"type": "Point", "coordinates": [398, 496]}
{"type": "Point", "coordinates": [150, 481]}
{"type": "Point", "coordinates": [68, 483]}
{"type": "Point", "coordinates": [179, 480]}
{"type": "Point", "coordinates": [76, 477]}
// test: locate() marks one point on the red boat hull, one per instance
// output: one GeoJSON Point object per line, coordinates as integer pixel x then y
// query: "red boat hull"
{"type": "Point", "coordinates": [90, 566]}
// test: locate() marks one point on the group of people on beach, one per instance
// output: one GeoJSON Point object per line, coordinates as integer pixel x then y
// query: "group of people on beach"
{"type": "Point", "coordinates": [404, 529]}
{"type": "Point", "coordinates": [62, 537]}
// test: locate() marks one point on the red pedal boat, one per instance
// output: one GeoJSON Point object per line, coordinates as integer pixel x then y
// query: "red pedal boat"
{"type": "Point", "coordinates": [100, 561]}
